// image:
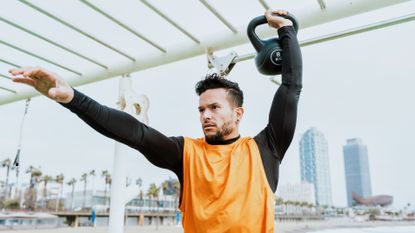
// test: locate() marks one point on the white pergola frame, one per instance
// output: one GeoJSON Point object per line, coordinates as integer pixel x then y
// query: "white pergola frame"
{"type": "Point", "coordinates": [328, 10]}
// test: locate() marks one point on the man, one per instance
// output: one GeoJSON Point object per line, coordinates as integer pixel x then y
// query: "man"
{"type": "Point", "coordinates": [227, 181]}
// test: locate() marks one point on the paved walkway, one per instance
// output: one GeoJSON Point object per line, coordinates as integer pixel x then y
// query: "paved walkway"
{"type": "Point", "coordinates": [145, 229]}
{"type": "Point", "coordinates": [280, 227]}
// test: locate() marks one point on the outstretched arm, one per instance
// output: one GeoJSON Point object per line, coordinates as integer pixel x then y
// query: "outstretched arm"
{"type": "Point", "coordinates": [162, 151]}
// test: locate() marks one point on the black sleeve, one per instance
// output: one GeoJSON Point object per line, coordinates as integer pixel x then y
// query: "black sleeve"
{"type": "Point", "coordinates": [275, 139]}
{"type": "Point", "coordinates": [160, 150]}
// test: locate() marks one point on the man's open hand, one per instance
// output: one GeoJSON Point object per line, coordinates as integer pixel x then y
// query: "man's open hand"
{"type": "Point", "coordinates": [46, 82]}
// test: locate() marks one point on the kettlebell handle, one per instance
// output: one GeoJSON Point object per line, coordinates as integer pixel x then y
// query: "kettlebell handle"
{"type": "Point", "coordinates": [253, 37]}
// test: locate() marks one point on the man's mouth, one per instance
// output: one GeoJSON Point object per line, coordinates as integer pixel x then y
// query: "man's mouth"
{"type": "Point", "coordinates": [209, 126]}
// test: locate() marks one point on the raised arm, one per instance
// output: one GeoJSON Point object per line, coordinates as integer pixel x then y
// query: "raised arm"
{"type": "Point", "coordinates": [283, 113]}
{"type": "Point", "coordinates": [279, 132]}
{"type": "Point", "coordinates": [162, 151]}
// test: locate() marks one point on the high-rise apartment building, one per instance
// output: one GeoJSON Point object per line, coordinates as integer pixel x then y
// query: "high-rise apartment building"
{"type": "Point", "coordinates": [356, 166]}
{"type": "Point", "coordinates": [315, 169]}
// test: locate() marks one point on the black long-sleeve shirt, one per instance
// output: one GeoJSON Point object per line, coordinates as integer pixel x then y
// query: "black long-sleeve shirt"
{"type": "Point", "coordinates": [167, 152]}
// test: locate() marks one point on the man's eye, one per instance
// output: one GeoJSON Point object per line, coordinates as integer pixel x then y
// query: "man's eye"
{"type": "Point", "coordinates": [201, 110]}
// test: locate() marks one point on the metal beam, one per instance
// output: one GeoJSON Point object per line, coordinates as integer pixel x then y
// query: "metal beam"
{"type": "Point", "coordinates": [51, 42]}
{"type": "Point", "coordinates": [306, 15]}
{"type": "Point", "coordinates": [5, 76]}
{"type": "Point", "coordinates": [219, 16]}
{"type": "Point", "coordinates": [322, 4]}
{"type": "Point", "coordinates": [116, 21]}
{"type": "Point", "coordinates": [9, 63]}
{"type": "Point", "coordinates": [264, 4]}
{"type": "Point", "coordinates": [76, 29]}
{"type": "Point", "coordinates": [41, 58]}
{"type": "Point", "coordinates": [358, 30]}
{"type": "Point", "coordinates": [174, 24]}
{"type": "Point", "coordinates": [7, 89]}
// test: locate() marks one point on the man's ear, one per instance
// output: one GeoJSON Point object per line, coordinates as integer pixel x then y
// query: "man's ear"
{"type": "Point", "coordinates": [239, 113]}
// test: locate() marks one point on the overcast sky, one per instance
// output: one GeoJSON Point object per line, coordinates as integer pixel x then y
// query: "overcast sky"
{"type": "Point", "coordinates": [359, 86]}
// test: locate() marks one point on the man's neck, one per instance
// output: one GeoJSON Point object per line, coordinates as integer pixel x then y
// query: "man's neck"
{"type": "Point", "coordinates": [222, 142]}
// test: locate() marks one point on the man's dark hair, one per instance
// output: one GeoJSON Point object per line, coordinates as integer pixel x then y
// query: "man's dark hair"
{"type": "Point", "coordinates": [213, 81]}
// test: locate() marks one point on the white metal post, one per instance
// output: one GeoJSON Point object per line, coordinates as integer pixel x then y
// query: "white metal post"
{"type": "Point", "coordinates": [136, 106]}
{"type": "Point", "coordinates": [116, 220]}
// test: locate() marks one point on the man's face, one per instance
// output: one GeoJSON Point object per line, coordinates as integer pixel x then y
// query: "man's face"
{"type": "Point", "coordinates": [218, 115]}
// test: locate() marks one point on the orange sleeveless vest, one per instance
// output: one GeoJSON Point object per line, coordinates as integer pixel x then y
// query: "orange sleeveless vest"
{"type": "Point", "coordinates": [225, 188]}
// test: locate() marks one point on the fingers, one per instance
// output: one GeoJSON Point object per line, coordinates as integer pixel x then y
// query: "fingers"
{"type": "Point", "coordinates": [276, 19]}
{"type": "Point", "coordinates": [269, 13]}
{"type": "Point", "coordinates": [31, 72]}
{"type": "Point", "coordinates": [280, 12]}
{"type": "Point", "coordinates": [24, 80]}
{"type": "Point", "coordinates": [21, 70]}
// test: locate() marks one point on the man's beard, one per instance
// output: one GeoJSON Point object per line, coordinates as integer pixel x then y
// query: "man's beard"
{"type": "Point", "coordinates": [225, 130]}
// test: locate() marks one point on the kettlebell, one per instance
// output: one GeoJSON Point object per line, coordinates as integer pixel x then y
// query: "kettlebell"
{"type": "Point", "coordinates": [269, 52]}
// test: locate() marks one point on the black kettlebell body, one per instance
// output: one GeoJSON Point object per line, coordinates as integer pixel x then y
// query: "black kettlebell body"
{"type": "Point", "coordinates": [269, 52]}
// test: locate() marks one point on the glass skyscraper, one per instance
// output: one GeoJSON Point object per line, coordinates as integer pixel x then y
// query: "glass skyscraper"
{"type": "Point", "coordinates": [315, 169]}
{"type": "Point", "coordinates": [356, 166]}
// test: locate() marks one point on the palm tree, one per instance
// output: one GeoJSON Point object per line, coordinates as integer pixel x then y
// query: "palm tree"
{"type": "Point", "coordinates": [92, 173]}
{"type": "Point", "coordinates": [141, 198]}
{"type": "Point", "coordinates": [279, 201]}
{"type": "Point", "coordinates": [34, 179]}
{"type": "Point", "coordinates": [17, 168]}
{"type": "Point", "coordinates": [296, 207]}
{"type": "Point", "coordinates": [84, 178]}
{"type": "Point", "coordinates": [45, 179]}
{"type": "Point", "coordinates": [302, 205]}
{"type": "Point", "coordinates": [153, 191]}
{"type": "Point", "coordinates": [72, 183]}
{"type": "Point", "coordinates": [6, 163]}
{"type": "Point", "coordinates": [59, 179]}
{"type": "Point", "coordinates": [108, 181]}
{"type": "Point", "coordinates": [165, 187]}
{"type": "Point", "coordinates": [176, 188]}
{"type": "Point", "coordinates": [288, 207]}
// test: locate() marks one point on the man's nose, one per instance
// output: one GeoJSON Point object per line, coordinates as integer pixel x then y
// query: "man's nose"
{"type": "Point", "coordinates": [206, 115]}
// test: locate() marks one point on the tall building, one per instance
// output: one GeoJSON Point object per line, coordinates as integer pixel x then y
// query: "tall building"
{"type": "Point", "coordinates": [356, 166]}
{"type": "Point", "coordinates": [314, 160]}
